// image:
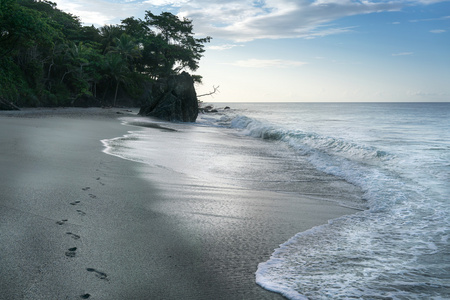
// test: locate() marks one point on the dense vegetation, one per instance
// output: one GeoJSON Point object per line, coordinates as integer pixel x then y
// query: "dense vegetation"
{"type": "Point", "coordinates": [47, 58]}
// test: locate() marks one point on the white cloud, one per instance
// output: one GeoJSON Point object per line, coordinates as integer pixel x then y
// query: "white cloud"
{"type": "Point", "coordinates": [223, 47]}
{"type": "Point", "coordinates": [444, 18]}
{"type": "Point", "coordinates": [274, 19]}
{"type": "Point", "coordinates": [428, 1]}
{"type": "Point", "coordinates": [99, 12]}
{"type": "Point", "coordinates": [268, 63]}
{"type": "Point", "coordinates": [403, 54]}
{"type": "Point", "coordinates": [421, 93]}
{"type": "Point", "coordinates": [438, 31]}
{"type": "Point", "coordinates": [242, 20]}
{"type": "Point", "coordinates": [175, 3]}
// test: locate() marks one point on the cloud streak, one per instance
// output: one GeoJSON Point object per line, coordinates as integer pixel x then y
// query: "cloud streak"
{"type": "Point", "coordinates": [403, 54]}
{"type": "Point", "coordinates": [223, 47]}
{"type": "Point", "coordinates": [268, 63]}
{"type": "Point", "coordinates": [444, 18]}
{"type": "Point", "coordinates": [438, 31]}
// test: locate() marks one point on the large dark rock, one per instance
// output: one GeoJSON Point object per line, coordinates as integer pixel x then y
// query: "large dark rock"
{"type": "Point", "coordinates": [173, 99]}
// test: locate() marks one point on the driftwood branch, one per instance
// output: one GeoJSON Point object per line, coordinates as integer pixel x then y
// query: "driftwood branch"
{"type": "Point", "coordinates": [6, 105]}
{"type": "Point", "coordinates": [215, 90]}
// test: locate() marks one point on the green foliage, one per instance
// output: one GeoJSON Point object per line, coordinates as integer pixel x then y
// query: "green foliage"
{"type": "Point", "coordinates": [47, 58]}
{"type": "Point", "coordinates": [12, 82]}
{"type": "Point", "coordinates": [178, 49]}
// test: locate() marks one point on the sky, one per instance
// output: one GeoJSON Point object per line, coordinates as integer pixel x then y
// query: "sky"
{"type": "Point", "coordinates": [307, 50]}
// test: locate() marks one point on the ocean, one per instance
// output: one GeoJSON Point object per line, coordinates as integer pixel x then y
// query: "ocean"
{"type": "Point", "coordinates": [388, 161]}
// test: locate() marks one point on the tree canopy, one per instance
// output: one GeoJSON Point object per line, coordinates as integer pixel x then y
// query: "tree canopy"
{"type": "Point", "coordinates": [48, 58]}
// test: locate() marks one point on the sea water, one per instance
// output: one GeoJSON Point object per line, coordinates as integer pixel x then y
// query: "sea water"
{"type": "Point", "coordinates": [397, 154]}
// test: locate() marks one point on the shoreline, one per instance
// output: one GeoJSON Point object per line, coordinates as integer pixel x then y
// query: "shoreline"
{"type": "Point", "coordinates": [76, 222]}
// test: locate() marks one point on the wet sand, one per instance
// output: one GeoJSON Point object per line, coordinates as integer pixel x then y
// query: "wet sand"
{"type": "Point", "coordinates": [76, 223]}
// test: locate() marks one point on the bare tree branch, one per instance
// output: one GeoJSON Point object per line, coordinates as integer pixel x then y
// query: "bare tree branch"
{"type": "Point", "coordinates": [216, 90]}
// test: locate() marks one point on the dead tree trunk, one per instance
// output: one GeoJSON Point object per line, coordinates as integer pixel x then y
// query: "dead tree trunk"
{"type": "Point", "coordinates": [5, 105]}
{"type": "Point", "coordinates": [215, 90]}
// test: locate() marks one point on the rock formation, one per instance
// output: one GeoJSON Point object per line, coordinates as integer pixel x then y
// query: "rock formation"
{"type": "Point", "coordinates": [172, 99]}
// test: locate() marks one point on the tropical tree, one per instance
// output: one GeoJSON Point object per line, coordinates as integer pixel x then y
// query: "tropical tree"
{"type": "Point", "coordinates": [21, 28]}
{"type": "Point", "coordinates": [127, 47]}
{"type": "Point", "coordinates": [47, 57]}
{"type": "Point", "coordinates": [174, 46]}
{"type": "Point", "coordinates": [136, 28]}
{"type": "Point", "coordinates": [109, 33]}
{"type": "Point", "coordinates": [116, 68]}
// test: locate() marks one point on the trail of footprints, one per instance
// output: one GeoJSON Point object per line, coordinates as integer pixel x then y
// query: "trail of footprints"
{"type": "Point", "coordinates": [71, 252]}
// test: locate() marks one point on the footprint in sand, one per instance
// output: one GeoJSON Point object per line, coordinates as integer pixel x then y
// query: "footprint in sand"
{"type": "Point", "coordinates": [75, 202]}
{"type": "Point", "coordinates": [98, 274]}
{"type": "Point", "coordinates": [85, 188]}
{"type": "Point", "coordinates": [80, 212]}
{"type": "Point", "coordinates": [62, 221]}
{"type": "Point", "coordinates": [71, 252]}
{"type": "Point", "coordinates": [85, 296]}
{"type": "Point", "coordinates": [73, 235]}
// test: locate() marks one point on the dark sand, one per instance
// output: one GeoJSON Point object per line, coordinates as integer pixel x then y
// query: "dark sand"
{"type": "Point", "coordinates": [76, 223]}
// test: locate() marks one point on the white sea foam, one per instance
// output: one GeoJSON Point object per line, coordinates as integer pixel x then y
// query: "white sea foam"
{"type": "Point", "coordinates": [398, 248]}
{"type": "Point", "coordinates": [399, 155]}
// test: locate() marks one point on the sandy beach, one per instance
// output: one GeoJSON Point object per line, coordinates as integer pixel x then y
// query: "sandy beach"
{"type": "Point", "coordinates": [76, 223]}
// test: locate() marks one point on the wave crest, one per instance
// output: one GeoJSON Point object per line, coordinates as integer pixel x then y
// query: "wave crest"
{"type": "Point", "coordinates": [309, 142]}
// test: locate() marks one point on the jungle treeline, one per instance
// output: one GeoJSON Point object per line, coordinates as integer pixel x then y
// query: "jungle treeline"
{"type": "Point", "coordinates": [48, 58]}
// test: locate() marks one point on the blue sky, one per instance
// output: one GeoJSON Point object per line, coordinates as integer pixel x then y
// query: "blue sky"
{"type": "Point", "coordinates": [307, 50]}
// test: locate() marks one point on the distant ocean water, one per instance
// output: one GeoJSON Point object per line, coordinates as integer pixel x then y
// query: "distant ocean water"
{"type": "Point", "coordinates": [398, 154]}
